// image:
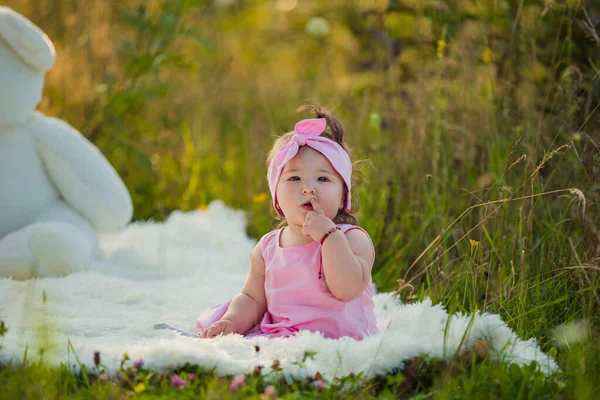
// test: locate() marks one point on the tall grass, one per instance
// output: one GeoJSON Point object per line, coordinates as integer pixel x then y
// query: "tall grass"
{"type": "Point", "coordinates": [480, 119]}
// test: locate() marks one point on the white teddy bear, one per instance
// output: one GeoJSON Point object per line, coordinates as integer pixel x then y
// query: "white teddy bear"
{"type": "Point", "coordinates": [56, 189]}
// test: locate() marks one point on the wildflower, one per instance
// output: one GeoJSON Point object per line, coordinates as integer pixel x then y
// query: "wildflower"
{"type": "Point", "coordinates": [139, 388]}
{"type": "Point", "coordinates": [270, 391]}
{"type": "Point", "coordinates": [571, 333]}
{"type": "Point", "coordinates": [177, 381]}
{"type": "Point", "coordinates": [124, 360]}
{"type": "Point", "coordinates": [317, 26]}
{"type": "Point", "coordinates": [276, 366]}
{"type": "Point", "coordinates": [191, 377]}
{"type": "Point", "coordinates": [486, 56]}
{"type": "Point", "coordinates": [202, 207]}
{"type": "Point", "coordinates": [319, 384]}
{"type": "Point", "coordinates": [139, 363]}
{"type": "Point", "coordinates": [474, 243]}
{"type": "Point", "coordinates": [97, 358]}
{"type": "Point", "coordinates": [260, 198]}
{"type": "Point", "coordinates": [237, 382]}
{"type": "Point", "coordinates": [104, 376]}
{"type": "Point", "coordinates": [441, 45]}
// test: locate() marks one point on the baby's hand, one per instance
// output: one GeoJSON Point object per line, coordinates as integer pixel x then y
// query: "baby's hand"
{"type": "Point", "coordinates": [223, 326]}
{"type": "Point", "coordinates": [316, 223]}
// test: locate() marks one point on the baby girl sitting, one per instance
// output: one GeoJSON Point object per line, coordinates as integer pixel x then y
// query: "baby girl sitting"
{"type": "Point", "coordinates": [313, 273]}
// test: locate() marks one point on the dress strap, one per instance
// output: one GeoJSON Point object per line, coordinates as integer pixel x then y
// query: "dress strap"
{"type": "Point", "coordinates": [348, 227]}
{"type": "Point", "coordinates": [265, 244]}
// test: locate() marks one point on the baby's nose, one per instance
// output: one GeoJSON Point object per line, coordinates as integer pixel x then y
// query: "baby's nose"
{"type": "Point", "coordinates": [308, 190]}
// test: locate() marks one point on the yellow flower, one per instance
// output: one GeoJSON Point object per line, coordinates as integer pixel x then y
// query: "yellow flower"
{"type": "Point", "coordinates": [139, 388]}
{"type": "Point", "coordinates": [261, 197]}
{"type": "Point", "coordinates": [441, 45]}
{"type": "Point", "coordinates": [474, 243]}
{"type": "Point", "coordinates": [486, 56]}
{"type": "Point", "coordinates": [202, 207]}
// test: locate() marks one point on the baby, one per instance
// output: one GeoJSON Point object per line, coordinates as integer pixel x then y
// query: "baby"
{"type": "Point", "coordinates": [313, 273]}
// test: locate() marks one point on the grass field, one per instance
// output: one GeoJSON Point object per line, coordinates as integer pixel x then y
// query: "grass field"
{"type": "Point", "coordinates": [479, 121]}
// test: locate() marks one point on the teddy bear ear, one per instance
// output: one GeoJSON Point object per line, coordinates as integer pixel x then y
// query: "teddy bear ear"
{"type": "Point", "coordinates": [27, 40]}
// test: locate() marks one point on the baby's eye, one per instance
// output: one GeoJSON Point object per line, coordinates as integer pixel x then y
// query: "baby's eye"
{"type": "Point", "coordinates": [323, 179]}
{"type": "Point", "coordinates": [294, 178]}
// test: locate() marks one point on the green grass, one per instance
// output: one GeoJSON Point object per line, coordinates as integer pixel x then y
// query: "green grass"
{"type": "Point", "coordinates": [184, 100]}
{"type": "Point", "coordinates": [470, 374]}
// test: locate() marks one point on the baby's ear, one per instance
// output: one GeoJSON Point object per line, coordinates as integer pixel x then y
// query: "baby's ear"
{"type": "Point", "coordinates": [27, 40]}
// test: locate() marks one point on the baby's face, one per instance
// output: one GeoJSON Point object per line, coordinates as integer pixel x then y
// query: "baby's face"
{"type": "Point", "coordinates": [309, 175]}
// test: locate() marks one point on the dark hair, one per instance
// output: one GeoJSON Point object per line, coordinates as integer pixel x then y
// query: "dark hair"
{"type": "Point", "coordinates": [334, 131]}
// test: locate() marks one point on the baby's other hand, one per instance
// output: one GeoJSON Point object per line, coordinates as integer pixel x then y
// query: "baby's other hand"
{"type": "Point", "coordinates": [223, 326]}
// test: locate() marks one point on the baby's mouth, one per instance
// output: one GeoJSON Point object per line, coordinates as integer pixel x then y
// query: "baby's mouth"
{"type": "Point", "coordinates": [307, 206]}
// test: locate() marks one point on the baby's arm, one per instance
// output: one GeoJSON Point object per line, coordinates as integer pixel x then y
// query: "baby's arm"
{"type": "Point", "coordinates": [347, 263]}
{"type": "Point", "coordinates": [248, 306]}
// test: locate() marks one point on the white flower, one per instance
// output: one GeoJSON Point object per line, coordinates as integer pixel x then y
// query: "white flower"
{"type": "Point", "coordinates": [571, 333]}
{"type": "Point", "coordinates": [317, 26]}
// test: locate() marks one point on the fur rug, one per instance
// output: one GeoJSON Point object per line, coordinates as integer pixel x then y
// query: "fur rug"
{"type": "Point", "coordinates": [171, 271]}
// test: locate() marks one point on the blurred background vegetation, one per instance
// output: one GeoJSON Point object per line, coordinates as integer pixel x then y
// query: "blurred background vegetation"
{"type": "Point", "coordinates": [456, 103]}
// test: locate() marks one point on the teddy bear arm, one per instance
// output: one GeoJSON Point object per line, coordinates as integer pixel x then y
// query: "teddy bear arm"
{"type": "Point", "coordinates": [81, 174]}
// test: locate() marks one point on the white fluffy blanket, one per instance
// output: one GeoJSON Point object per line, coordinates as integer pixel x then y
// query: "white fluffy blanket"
{"type": "Point", "coordinates": [173, 270]}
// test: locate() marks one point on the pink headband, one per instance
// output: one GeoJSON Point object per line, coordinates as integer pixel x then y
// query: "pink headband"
{"type": "Point", "coordinates": [307, 133]}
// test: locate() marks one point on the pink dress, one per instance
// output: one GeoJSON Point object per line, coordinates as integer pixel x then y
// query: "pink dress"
{"type": "Point", "coordinates": [298, 298]}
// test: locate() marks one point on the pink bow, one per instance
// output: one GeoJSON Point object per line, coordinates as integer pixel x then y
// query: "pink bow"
{"type": "Point", "coordinates": [309, 128]}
